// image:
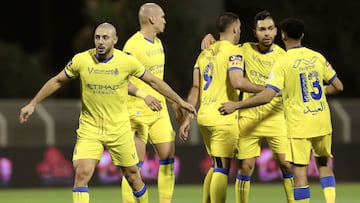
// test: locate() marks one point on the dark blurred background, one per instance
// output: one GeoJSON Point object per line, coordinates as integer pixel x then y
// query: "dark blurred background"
{"type": "Point", "coordinates": [38, 37]}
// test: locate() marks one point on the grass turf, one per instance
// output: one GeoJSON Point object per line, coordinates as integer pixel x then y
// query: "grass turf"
{"type": "Point", "coordinates": [269, 193]}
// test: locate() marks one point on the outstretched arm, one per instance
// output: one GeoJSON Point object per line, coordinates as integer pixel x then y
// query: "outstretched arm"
{"type": "Point", "coordinates": [51, 86]}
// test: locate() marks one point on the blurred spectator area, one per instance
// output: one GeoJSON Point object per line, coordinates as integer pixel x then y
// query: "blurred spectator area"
{"type": "Point", "coordinates": [55, 122]}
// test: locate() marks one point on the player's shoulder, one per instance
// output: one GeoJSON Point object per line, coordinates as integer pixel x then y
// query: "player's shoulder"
{"type": "Point", "coordinates": [277, 48]}
{"type": "Point", "coordinates": [85, 54]}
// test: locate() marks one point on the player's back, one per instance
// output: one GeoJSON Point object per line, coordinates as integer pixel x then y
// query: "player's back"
{"type": "Point", "coordinates": [215, 87]}
{"type": "Point", "coordinates": [306, 107]}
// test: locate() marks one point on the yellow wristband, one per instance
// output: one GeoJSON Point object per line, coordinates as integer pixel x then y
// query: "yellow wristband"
{"type": "Point", "coordinates": [141, 94]}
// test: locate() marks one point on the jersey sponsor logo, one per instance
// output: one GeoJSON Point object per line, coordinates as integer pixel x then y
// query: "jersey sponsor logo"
{"type": "Point", "coordinates": [103, 89]}
{"type": "Point", "coordinates": [114, 71]}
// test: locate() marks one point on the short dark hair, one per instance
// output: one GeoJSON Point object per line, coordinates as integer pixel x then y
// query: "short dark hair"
{"type": "Point", "coordinates": [262, 15]}
{"type": "Point", "coordinates": [225, 20]}
{"type": "Point", "coordinates": [293, 27]}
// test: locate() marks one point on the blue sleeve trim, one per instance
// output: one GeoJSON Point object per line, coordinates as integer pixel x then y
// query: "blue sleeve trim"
{"type": "Point", "coordinates": [235, 68]}
{"type": "Point", "coordinates": [68, 76]}
{"type": "Point", "coordinates": [142, 75]}
{"type": "Point", "coordinates": [332, 79]}
{"type": "Point", "coordinates": [277, 90]}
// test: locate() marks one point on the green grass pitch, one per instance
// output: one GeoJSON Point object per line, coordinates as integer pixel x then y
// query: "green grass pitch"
{"type": "Point", "coordinates": [269, 193]}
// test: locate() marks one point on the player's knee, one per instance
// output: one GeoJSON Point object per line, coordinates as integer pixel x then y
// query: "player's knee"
{"type": "Point", "coordinates": [246, 167]}
{"type": "Point", "coordinates": [285, 166]}
{"type": "Point", "coordinates": [131, 174]}
{"type": "Point", "coordinates": [322, 161]}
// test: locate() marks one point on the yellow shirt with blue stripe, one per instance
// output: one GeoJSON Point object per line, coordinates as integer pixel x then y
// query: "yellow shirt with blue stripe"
{"type": "Point", "coordinates": [300, 74]}
{"type": "Point", "coordinates": [151, 54]}
{"type": "Point", "coordinates": [104, 88]}
{"type": "Point", "coordinates": [258, 66]}
{"type": "Point", "coordinates": [214, 65]}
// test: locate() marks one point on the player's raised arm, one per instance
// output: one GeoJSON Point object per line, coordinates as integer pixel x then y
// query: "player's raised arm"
{"type": "Point", "coordinates": [51, 86]}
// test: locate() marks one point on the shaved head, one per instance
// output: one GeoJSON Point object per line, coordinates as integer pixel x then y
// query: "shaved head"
{"type": "Point", "coordinates": [105, 39]}
{"type": "Point", "coordinates": [111, 30]}
{"type": "Point", "coordinates": [146, 11]}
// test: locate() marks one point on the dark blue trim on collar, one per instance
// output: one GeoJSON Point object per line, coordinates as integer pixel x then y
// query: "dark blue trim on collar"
{"type": "Point", "coordinates": [149, 40]}
{"type": "Point", "coordinates": [105, 60]}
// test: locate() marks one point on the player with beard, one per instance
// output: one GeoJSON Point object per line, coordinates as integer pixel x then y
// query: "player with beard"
{"type": "Point", "coordinates": [261, 122]}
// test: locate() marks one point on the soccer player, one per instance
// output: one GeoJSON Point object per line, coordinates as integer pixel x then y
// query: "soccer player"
{"type": "Point", "coordinates": [299, 75]}
{"type": "Point", "coordinates": [104, 121]}
{"type": "Point", "coordinates": [261, 122]}
{"type": "Point", "coordinates": [217, 76]}
{"type": "Point", "coordinates": [153, 125]}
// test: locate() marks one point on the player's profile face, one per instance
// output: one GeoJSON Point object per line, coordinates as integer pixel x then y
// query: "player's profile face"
{"type": "Point", "coordinates": [159, 20]}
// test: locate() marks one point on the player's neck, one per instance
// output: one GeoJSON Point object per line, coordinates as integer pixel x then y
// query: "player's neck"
{"type": "Point", "coordinates": [227, 37]}
{"type": "Point", "coordinates": [292, 44]}
{"type": "Point", "coordinates": [265, 49]}
{"type": "Point", "coordinates": [148, 33]}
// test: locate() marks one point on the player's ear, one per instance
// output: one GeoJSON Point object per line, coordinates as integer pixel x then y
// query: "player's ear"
{"type": "Point", "coordinates": [115, 39]}
{"type": "Point", "coordinates": [283, 36]}
{"type": "Point", "coordinates": [151, 20]}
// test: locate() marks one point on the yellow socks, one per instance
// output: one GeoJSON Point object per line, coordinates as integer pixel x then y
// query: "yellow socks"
{"type": "Point", "coordinates": [289, 186]}
{"type": "Point", "coordinates": [329, 188]}
{"type": "Point", "coordinates": [242, 188]}
{"type": "Point", "coordinates": [206, 186]}
{"type": "Point", "coordinates": [166, 180]}
{"type": "Point", "coordinates": [218, 186]}
{"type": "Point", "coordinates": [142, 195]}
{"type": "Point", "coordinates": [81, 195]}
